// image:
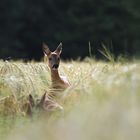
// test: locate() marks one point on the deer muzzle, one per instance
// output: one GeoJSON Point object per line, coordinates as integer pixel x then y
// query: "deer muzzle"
{"type": "Point", "coordinates": [55, 66]}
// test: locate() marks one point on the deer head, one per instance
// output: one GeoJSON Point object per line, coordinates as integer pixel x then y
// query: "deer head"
{"type": "Point", "coordinates": [53, 57]}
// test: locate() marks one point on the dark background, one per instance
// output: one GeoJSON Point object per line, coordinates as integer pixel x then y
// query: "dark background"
{"type": "Point", "coordinates": [25, 24]}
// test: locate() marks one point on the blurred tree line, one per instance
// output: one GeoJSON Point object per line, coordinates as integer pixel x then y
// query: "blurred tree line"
{"type": "Point", "coordinates": [25, 24]}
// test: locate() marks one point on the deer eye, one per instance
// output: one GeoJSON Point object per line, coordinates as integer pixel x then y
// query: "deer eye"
{"type": "Point", "coordinates": [50, 58]}
{"type": "Point", "coordinates": [58, 58]}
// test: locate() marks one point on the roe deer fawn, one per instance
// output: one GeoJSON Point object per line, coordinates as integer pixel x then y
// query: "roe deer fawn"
{"type": "Point", "coordinates": [46, 104]}
{"type": "Point", "coordinates": [59, 83]}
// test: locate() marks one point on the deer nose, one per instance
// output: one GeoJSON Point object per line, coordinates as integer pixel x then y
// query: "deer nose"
{"type": "Point", "coordinates": [55, 66]}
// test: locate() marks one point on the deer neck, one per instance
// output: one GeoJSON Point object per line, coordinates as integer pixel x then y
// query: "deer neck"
{"type": "Point", "coordinates": [58, 84]}
{"type": "Point", "coordinates": [55, 77]}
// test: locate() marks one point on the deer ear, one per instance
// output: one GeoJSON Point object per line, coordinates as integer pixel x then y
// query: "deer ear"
{"type": "Point", "coordinates": [46, 49]}
{"type": "Point", "coordinates": [59, 49]}
{"type": "Point", "coordinates": [31, 100]}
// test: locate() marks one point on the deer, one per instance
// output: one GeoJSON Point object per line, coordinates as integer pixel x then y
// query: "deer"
{"type": "Point", "coordinates": [58, 82]}
{"type": "Point", "coordinates": [46, 104]}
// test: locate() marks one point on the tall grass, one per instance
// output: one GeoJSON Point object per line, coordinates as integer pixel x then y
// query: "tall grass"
{"type": "Point", "coordinates": [107, 54]}
{"type": "Point", "coordinates": [101, 103]}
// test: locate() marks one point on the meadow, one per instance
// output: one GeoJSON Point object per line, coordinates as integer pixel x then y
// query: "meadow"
{"type": "Point", "coordinates": [102, 103]}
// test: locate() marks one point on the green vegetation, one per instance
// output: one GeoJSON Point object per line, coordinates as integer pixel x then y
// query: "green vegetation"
{"type": "Point", "coordinates": [102, 102]}
{"type": "Point", "coordinates": [26, 24]}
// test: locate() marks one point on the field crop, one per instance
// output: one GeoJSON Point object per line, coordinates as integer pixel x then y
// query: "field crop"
{"type": "Point", "coordinates": [102, 103]}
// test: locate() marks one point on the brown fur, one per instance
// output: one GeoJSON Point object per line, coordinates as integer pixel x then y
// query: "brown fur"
{"type": "Point", "coordinates": [28, 106]}
{"type": "Point", "coordinates": [49, 105]}
{"type": "Point", "coordinates": [58, 82]}
{"type": "Point", "coordinates": [46, 104]}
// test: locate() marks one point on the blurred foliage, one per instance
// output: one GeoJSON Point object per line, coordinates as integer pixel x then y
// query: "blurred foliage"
{"type": "Point", "coordinates": [25, 24]}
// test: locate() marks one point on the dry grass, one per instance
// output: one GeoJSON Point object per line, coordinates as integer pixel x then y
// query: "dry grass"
{"type": "Point", "coordinates": [102, 102]}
